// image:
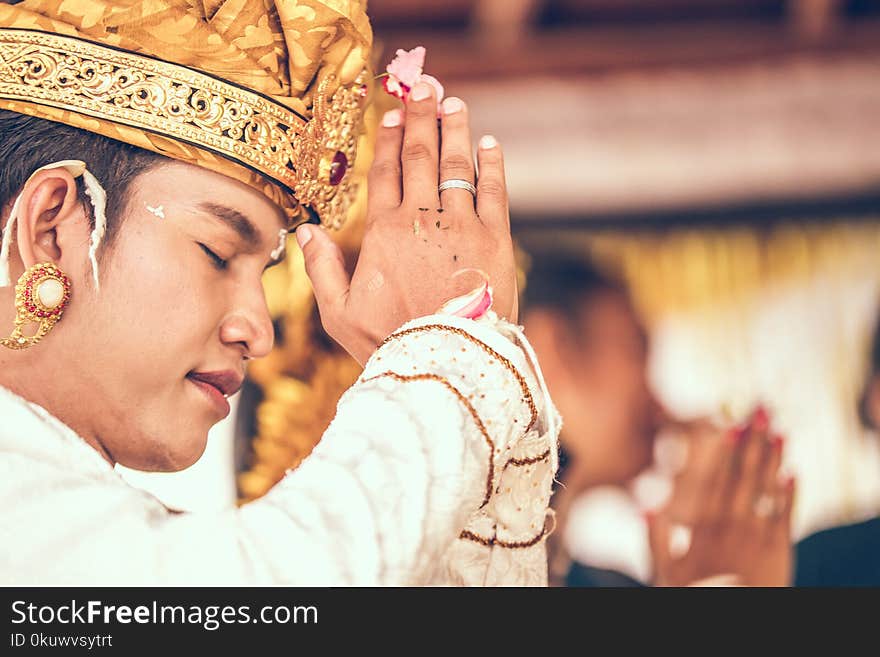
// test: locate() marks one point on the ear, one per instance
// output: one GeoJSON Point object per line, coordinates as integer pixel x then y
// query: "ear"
{"type": "Point", "coordinates": [49, 217]}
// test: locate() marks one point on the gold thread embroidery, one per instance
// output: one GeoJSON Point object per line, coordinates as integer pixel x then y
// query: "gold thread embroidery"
{"type": "Point", "coordinates": [131, 89]}
{"type": "Point", "coordinates": [436, 377]}
{"type": "Point", "coordinates": [490, 542]}
{"type": "Point", "coordinates": [527, 395]}
{"type": "Point", "coordinates": [530, 460]}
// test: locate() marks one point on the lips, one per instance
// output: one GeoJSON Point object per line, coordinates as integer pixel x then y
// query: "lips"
{"type": "Point", "coordinates": [217, 386]}
{"type": "Point", "coordinates": [227, 382]}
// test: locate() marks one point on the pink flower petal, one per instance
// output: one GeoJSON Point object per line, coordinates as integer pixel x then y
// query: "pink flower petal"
{"type": "Point", "coordinates": [395, 88]}
{"type": "Point", "coordinates": [405, 71]}
{"type": "Point", "coordinates": [407, 66]}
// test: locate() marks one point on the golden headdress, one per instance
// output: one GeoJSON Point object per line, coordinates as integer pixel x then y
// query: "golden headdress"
{"type": "Point", "coordinates": [269, 92]}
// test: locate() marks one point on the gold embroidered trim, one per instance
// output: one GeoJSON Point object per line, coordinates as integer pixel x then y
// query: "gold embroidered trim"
{"type": "Point", "coordinates": [463, 400]}
{"type": "Point", "coordinates": [527, 395]}
{"type": "Point", "coordinates": [489, 542]}
{"type": "Point", "coordinates": [529, 461]}
{"type": "Point", "coordinates": [86, 78]}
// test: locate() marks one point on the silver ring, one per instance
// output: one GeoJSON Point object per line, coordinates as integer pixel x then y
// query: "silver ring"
{"type": "Point", "coordinates": [458, 183]}
{"type": "Point", "coordinates": [765, 507]}
{"type": "Point", "coordinates": [680, 537]}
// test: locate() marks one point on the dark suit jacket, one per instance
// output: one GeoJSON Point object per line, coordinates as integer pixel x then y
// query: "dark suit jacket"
{"type": "Point", "coordinates": [581, 575]}
{"type": "Point", "coordinates": [841, 556]}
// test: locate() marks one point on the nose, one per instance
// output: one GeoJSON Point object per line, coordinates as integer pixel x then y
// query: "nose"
{"type": "Point", "coordinates": [249, 325]}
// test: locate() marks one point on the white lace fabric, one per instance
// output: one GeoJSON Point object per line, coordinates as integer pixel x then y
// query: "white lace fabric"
{"type": "Point", "coordinates": [435, 471]}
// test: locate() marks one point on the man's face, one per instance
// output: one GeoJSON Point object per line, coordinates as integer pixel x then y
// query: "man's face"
{"type": "Point", "coordinates": [181, 304]}
{"type": "Point", "coordinates": [599, 383]}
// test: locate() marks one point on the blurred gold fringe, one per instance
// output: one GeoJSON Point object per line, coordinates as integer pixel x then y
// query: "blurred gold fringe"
{"type": "Point", "coordinates": [306, 373]}
{"type": "Point", "coordinates": [688, 269]}
{"type": "Point", "coordinates": [692, 271]}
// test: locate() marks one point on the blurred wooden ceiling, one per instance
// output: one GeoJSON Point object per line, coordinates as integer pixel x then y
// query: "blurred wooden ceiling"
{"type": "Point", "coordinates": [479, 38]}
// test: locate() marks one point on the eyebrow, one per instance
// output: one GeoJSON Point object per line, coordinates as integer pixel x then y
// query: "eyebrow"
{"type": "Point", "coordinates": [240, 224]}
{"type": "Point", "coordinates": [235, 220]}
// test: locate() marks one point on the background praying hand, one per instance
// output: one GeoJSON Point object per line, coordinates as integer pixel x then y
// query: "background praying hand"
{"type": "Point", "coordinates": [730, 512]}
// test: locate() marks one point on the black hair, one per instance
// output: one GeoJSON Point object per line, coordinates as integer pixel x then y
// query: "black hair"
{"type": "Point", "coordinates": [27, 143]}
{"type": "Point", "coordinates": [564, 282]}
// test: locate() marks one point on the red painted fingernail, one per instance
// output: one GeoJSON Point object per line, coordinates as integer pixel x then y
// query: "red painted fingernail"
{"type": "Point", "coordinates": [760, 419]}
{"type": "Point", "coordinates": [778, 441]}
{"type": "Point", "coordinates": [732, 434]}
{"type": "Point", "coordinates": [736, 433]}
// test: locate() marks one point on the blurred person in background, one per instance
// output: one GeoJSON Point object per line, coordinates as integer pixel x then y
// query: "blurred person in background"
{"type": "Point", "coordinates": [727, 517]}
{"type": "Point", "coordinates": [593, 350]}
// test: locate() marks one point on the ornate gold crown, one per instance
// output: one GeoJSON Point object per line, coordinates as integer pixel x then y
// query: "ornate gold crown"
{"type": "Point", "coordinates": [111, 91]}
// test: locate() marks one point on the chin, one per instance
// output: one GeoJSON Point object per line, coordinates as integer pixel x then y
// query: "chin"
{"type": "Point", "coordinates": [180, 459]}
{"type": "Point", "coordinates": [165, 457]}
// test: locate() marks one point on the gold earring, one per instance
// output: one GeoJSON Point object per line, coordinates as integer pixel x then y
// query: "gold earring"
{"type": "Point", "coordinates": [41, 295]}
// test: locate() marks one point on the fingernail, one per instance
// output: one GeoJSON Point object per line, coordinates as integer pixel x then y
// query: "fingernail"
{"type": "Point", "coordinates": [785, 476]}
{"type": "Point", "coordinates": [778, 441]}
{"type": "Point", "coordinates": [761, 419]}
{"type": "Point", "coordinates": [452, 105]}
{"type": "Point", "coordinates": [488, 142]}
{"type": "Point", "coordinates": [421, 91]}
{"type": "Point", "coordinates": [737, 433]}
{"type": "Point", "coordinates": [392, 118]}
{"type": "Point", "coordinates": [303, 235]}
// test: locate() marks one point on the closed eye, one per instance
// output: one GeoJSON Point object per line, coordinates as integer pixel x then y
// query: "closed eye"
{"type": "Point", "coordinates": [216, 260]}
